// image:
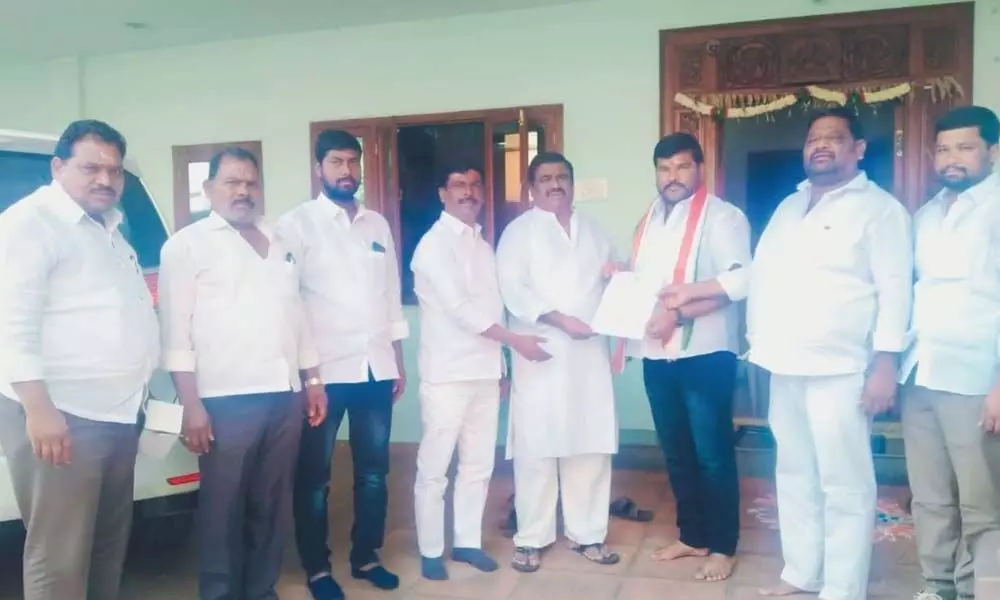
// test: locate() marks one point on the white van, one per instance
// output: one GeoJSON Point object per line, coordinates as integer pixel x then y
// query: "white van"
{"type": "Point", "coordinates": [165, 490]}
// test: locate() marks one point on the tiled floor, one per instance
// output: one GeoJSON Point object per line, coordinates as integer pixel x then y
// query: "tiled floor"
{"type": "Point", "coordinates": [564, 575]}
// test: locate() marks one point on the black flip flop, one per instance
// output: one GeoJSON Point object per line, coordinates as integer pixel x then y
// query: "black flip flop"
{"type": "Point", "coordinates": [626, 508]}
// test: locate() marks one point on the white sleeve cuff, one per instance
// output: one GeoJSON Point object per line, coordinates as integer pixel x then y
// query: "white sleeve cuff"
{"type": "Point", "coordinates": [179, 361]}
{"type": "Point", "coordinates": [400, 330]}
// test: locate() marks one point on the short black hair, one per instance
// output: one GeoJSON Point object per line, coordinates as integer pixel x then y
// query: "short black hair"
{"type": "Point", "coordinates": [335, 139]}
{"type": "Point", "coordinates": [675, 143]}
{"type": "Point", "coordinates": [843, 113]}
{"type": "Point", "coordinates": [547, 158]}
{"type": "Point", "coordinates": [78, 130]}
{"type": "Point", "coordinates": [456, 167]}
{"type": "Point", "coordinates": [235, 153]}
{"type": "Point", "coordinates": [980, 117]}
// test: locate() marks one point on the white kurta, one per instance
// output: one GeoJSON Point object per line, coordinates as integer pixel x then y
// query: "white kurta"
{"type": "Point", "coordinates": [564, 406]}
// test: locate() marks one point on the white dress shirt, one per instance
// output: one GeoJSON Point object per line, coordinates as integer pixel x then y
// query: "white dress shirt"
{"type": "Point", "coordinates": [75, 311]}
{"type": "Point", "coordinates": [724, 255]}
{"type": "Point", "coordinates": [349, 276]}
{"type": "Point", "coordinates": [956, 303]}
{"type": "Point", "coordinates": [832, 285]}
{"type": "Point", "coordinates": [233, 318]}
{"type": "Point", "coordinates": [455, 279]}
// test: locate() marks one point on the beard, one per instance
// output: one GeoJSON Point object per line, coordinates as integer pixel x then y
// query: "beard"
{"type": "Point", "coordinates": [341, 193]}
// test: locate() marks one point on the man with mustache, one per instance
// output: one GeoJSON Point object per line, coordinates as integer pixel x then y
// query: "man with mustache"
{"type": "Point", "coordinates": [460, 364]}
{"type": "Point", "coordinates": [349, 277]}
{"type": "Point", "coordinates": [238, 347]}
{"type": "Point", "coordinates": [827, 315]}
{"type": "Point", "coordinates": [78, 344]}
{"type": "Point", "coordinates": [563, 427]}
{"type": "Point", "coordinates": [951, 402]}
{"type": "Point", "coordinates": [699, 246]}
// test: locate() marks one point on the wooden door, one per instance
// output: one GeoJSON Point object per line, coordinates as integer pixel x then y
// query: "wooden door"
{"type": "Point", "coordinates": [853, 51]}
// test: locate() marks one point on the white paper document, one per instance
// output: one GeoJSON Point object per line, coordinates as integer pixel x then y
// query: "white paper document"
{"type": "Point", "coordinates": [625, 307]}
{"type": "Point", "coordinates": [162, 428]}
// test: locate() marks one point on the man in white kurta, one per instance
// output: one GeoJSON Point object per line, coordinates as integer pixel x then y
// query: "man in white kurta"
{"type": "Point", "coordinates": [951, 402]}
{"type": "Point", "coordinates": [460, 364]}
{"type": "Point", "coordinates": [827, 316]}
{"type": "Point", "coordinates": [563, 428]}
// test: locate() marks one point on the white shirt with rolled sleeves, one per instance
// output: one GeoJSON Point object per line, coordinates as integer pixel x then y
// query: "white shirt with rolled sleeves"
{"type": "Point", "coordinates": [75, 311]}
{"type": "Point", "coordinates": [956, 304]}
{"type": "Point", "coordinates": [228, 315]}
{"type": "Point", "coordinates": [455, 279]}
{"type": "Point", "coordinates": [350, 283]}
{"type": "Point", "coordinates": [564, 406]}
{"type": "Point", "coordinates": [724, 256]}
{"type": "Point", "coordinates": [831, 286]}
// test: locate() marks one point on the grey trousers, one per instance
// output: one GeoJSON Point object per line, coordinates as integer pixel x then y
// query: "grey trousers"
{"type": "Point", "coordinates": [244, 503]}
{"type": "Point", "coordinates": [954, 472]}
{"type": "Point", "coordinates": [78, 516]}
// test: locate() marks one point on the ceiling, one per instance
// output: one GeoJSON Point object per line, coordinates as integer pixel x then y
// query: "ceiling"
{"type": "Point", "coordinates": [53, 28]}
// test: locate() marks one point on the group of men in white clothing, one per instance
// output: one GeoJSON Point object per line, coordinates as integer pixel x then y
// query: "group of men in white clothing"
{"type": "Point", "coordinates": [273, 333]}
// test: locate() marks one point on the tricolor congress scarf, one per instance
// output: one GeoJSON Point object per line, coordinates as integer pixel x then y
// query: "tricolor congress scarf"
{"type": "Point", "coordinates": [685, 269]}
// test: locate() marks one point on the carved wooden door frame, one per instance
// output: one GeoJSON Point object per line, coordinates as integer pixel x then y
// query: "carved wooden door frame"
{"type": "Point", "coordinates": [866, 49]}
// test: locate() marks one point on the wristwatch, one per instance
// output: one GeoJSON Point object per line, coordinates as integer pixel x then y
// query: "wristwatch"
{"type": "Point", "coordinates": [313, 382]}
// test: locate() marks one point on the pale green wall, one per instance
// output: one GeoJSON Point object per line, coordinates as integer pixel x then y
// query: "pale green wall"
{"type": "Point", "coordinates": [599, 59]}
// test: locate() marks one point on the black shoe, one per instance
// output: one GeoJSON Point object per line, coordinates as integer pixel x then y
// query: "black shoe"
{"type": "Point", "coordinates": [377, 575]}
{"type": "Point", "coordinates": [325, 588]}
{"type": "Point", "coordinates": [475, 557]}
{"type": "Point", "coordinates": [433, 568]}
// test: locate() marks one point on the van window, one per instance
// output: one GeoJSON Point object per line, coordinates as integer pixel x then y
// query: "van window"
{"type": "Point", "coordinates": [22, 173]}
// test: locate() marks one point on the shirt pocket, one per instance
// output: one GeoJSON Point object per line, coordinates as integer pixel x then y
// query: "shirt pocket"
{"type": "Point", "coordinates": [832, 244]}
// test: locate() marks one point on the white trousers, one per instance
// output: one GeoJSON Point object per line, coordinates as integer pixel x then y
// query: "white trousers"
{"type": "Point", "coordinates": [463, 414]}
{"type": "Point", "coordinates": [581, 484]}
{"type": "Point", "coordinates": [826, 483]}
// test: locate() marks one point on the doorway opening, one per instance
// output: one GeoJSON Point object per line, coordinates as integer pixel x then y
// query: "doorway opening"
{"type": "Point", "coordinates": [763, 159]}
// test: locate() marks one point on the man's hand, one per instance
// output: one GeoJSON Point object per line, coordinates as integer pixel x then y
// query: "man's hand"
{"type": "Point", "coordinates": [676, 295]}
{"type": "Point", "coordinates": [571, 326]}
{"type": "Point", "coordinates": [611, 268]}
{"type": "Point", "coordinates": [49, 435]}
{"type": "Point", "coordinates": [399, 386]}
{"type": "Point", "coordinates": [196, 433]}
{"type": "Point", "coordinates": [879, 394]}
{"type": "Point", "coordinates": [530, 347]}
{"type": "Point", "coordinates": [316, 405]}
{"type": "Point", "coordinates": [663, 323]}
{"type": "Point", "coordinates": [991, 413]}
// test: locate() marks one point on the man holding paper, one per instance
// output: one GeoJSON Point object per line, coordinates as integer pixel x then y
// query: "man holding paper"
{"type": "Point", "coordinates": [237, 344]}
{"type": "Point", "coordinates": [698, 246]}
{"type": "Point", "coordinates": [563, 428]}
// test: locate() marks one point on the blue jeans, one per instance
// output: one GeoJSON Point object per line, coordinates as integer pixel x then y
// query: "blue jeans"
{"type": "Point", "coordinates": [369, 409]}
{"type": "Point", "coordinates": [692, 404]}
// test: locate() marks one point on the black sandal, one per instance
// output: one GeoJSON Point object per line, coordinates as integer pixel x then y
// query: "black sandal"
{"type": "Point", "coordinates": [625, 508]}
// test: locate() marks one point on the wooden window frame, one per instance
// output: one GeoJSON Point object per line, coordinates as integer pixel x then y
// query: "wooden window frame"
{"type": "Point", "coordinates": [197, 153]}
{"type": "Point", "coordinates": [381, 174]}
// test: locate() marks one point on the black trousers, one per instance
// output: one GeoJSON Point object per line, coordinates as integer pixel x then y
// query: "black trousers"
{"type": "Point", "coordinates": [246, 494]}
{"type": "Point", "coordinates": [692, 404]}
{"type": "Point", "coordinates": [369, 409]}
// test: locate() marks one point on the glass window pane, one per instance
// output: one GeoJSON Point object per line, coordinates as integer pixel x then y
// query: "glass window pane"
{"type": "Point", "coordinates": [198, 204]}
{"type": "Point", "coordinates": [360, 196]}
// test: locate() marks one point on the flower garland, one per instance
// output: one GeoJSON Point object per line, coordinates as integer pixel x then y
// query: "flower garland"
{"type": "Point", "coordinates": [742, 107]}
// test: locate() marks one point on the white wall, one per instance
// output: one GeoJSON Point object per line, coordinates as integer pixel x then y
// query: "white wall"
{"type": "Point", "coordinates": [600, 60]}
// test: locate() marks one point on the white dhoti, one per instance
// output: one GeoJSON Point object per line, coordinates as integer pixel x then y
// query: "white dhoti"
{"type": "Point", "coordinates": [826, 483]}
{"type": "Point", "coordinates": [581, 484]}
{"type": "Point", "coordinates": [463, 414]}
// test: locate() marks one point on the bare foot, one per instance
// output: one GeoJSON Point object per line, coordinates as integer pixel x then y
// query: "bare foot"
{"type": "Point", "coordinates": [783, 589]}
{"type": "Point", "coordinates": [717, 568]}
{"type": "Point", "coordinates": [678, 550]}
